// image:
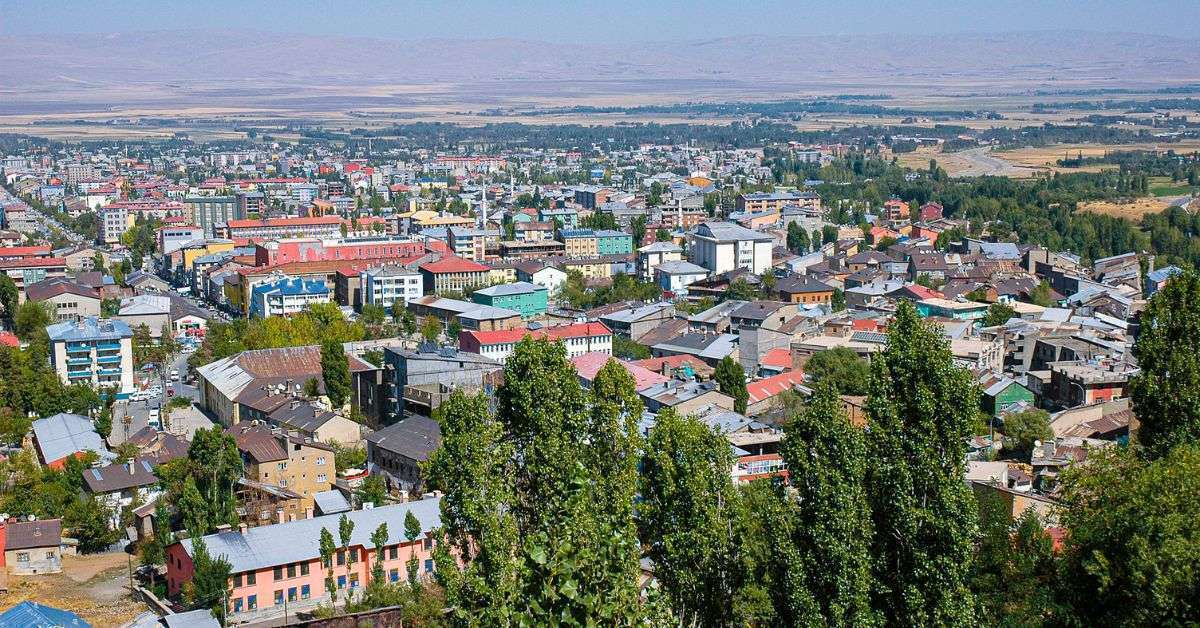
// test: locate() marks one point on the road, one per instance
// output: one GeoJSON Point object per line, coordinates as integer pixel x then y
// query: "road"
{"type": "Point", "coordinates": [983, 163]}
{"type": "Point", "coordinates": [139, 411]}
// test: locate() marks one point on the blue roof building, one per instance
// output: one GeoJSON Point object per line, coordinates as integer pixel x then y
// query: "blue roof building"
{"type": "Point", "coordinates": [287, 295]}
{"type": "Point", "coordinates": [93, 351]}
{"type": "Point", "coordinates": [33, 615]}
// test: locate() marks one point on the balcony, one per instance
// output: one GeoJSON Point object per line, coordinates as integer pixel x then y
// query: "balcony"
{"type": "Point", "coordinates": [109, 371]}
{"type": "Point", "coordinates": [109, 359]}
{"type": "Point", "coordinates": [109, 345]}
{"type": "Point", "coordinates": [79, 374]}
{"type": "Point", "coordinates": [79, 348]}
{"type": "Point", "coordinates": [79, 361]}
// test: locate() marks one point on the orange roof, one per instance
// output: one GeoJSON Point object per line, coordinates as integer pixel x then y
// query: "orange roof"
{"type": "Point", "coordinates": [24, 251]}
{"type": "Point", "coordinates": [9, 338]}
{"type": "Point", "coordinates": [453, 264]}
{"type": "Point", "coordinates": [558, 332]}
{"type": "Point", "coordinates": [780, 357]}
{"type": "Point", "coordinates": [771, 386]}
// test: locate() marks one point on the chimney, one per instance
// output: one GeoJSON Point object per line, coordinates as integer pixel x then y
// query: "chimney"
{"type": "Point", "coordinates": [242, 527]}
{"type": "Point", "coordinates": [129, 465]}
{"type": "Point", "coordinates": [308, 513]}
{"type": "Point", "coordinates": [224, 527]}
{"type": "Point", "coordinates": [279, 516]}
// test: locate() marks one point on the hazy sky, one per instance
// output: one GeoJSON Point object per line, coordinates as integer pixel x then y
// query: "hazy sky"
{"type": "Point", "coordinates": [567, 20]}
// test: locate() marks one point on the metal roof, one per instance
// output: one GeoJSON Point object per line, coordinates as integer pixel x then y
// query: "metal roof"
{"type": "Point", "coordinates": [33, 615]}
{"type": "Point", "coordinates": [267, 546]}
{"type": "Point", "coordinates": [90, 328]}
{"type": "Point", "coordinates": [65, 434]}
{"type": "Point", "coordinates": [331, 502]}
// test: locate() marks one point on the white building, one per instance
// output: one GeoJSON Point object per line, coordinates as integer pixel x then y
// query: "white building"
{"type": "Point", "coordinates": [721, 247]}
{"type": "Point", "coordinates": [579, 338]}
{"type": "Point", "coordinates": [383, 285]}
{"type": "Point", "coordinates": [93, 351]}
{"type": "Point", "coordinates": [675, 277]}
{"type": "Point", "coordinates": [651, 255]}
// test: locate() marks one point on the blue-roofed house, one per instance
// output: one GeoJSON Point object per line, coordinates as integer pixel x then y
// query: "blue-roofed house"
{"type": "Point", "coordinates": [1156, 279]}
{"type": "Point", "coordinates": [63, 435]}
{"type": "Point", "coordinates": [287, 295]}
{"type": "Point", "coordinates": [93, 351]}
{"type": "Point", "coordinates": [33, 615]}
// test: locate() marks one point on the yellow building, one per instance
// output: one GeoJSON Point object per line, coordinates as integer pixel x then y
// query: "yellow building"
{"type": "Point", "coordinates": [209, 247]}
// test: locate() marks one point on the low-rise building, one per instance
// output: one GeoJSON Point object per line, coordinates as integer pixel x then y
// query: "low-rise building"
{"type": "Point", "coordinates": [32, 547]}
{"type": "Point", "coordinates": [70, 301]}
{"type": "Point", "coordinates": [397, 452]}
{"type": "Point", "coordinates": [722, 246]}
{"type": "Point", "coordinates": [453, 274]}
{"type": "Point", "coordinates": [286, 296]}
{"type": "Point", "coordinates": [384, 285]}
{"type": "Point", "coordinates": [579, 338]}
{"type": "Point", "coordinates": [275, 457]}
{"type": "Point", "coordinates": [527, 298]}
{"type": "Point", "coordinates": [120, 485]}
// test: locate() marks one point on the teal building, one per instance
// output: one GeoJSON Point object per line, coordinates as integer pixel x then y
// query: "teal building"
{"type": "Point", "coordinates": [524, 297]}
{"type": "Point", "coordinates": [609, 242]}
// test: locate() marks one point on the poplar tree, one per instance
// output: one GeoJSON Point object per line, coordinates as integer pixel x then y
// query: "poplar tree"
{"type": "Point", "coordinates": [687, 517]}
{"type": "Point", "coordinates": [826, 462]}
{"type": "Point", "coordinates": [920, 408]}
{"type": "Point", "coordinates": [1166, 391]}
{"type": "Point", "coordinates": [731, 379]}
{"type": "Point", "coordinates": [336, 372]}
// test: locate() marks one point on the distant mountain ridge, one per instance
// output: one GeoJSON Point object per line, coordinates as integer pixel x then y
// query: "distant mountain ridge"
{"type": "Point", "coordinates": [162, 57]}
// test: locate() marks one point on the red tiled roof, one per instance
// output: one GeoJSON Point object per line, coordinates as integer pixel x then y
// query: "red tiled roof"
{"type": "Point", "coordinates": [9, 338]}
{"type": "Point", "coordinates": [454, 265]}
{"type": "Point", "coordinates": [771, 386]}
{"type": "Point", "coordinates": [923, 292]}
{"type": "Point", "coordinates": [589, 364]}
{"type": "Point", "coordinates": [31, 262]}
{"type": "Point", "coordinates": [24, 251]}
{"type": "Point", "coordinates": [558, 332]}
{"type": "Point", "coordinates": [865, 324]}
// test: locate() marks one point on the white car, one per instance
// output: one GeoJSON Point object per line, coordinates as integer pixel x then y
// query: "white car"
{"type": "Point", "coordinates": [140, 395]}
{"type": "Point", "coordinates": [174, 375]}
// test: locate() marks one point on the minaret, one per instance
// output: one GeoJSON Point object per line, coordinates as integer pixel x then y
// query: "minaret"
{"type": "Point", "coordinates": [483, 205]}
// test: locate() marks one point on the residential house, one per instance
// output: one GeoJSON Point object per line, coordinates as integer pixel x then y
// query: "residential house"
{"type": "Point", "coordinates": [120, 485]}
{"type": "Point", "coordinates": [276, 458]}
{"type": "Point", "coordinates": [633, 323]}
{"type": "Point", "coordinates": [527, 298]}
{"type": "Point", "coordinates": [453, 274]}
{"type": "Point", "coordinates": [32, 547]}
{"type": "Point", "coordinates": [721, 247]}
{"type": "Point", "coordinates": [578, 338]}
{"type": "Point", "coordinates": [398, 451]}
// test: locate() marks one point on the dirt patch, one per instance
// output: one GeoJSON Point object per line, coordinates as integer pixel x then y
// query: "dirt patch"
{"type": "Point", "coordinates": [92, 587]}
{"type": "Point", "coordinates": [1133, 210]}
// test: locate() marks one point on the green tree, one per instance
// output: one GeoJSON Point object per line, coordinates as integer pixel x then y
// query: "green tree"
{"type": "Point", "coordinates": [637, 227]}
{"type": "Point", "coordinates": [731, 379]}
{"type": "Point", "coordinates": [838, 301]}
{"type": "Point", "coordinates": [209, 586]}
{"type": "Point", "coordinates": [831, 536]}
{"type": "Point", "coordinates": [8, 298]}
{"type": "Point", "coordinates": [88, 520]}
{"type": "Point", "coordinates": [797, 239]}
{"type": "Point", "coordinates": [431, 328]}
{"type": "Point", "coordinates": [152, 552]}
{"type": "Point", "coordinates": [412, 530]}
{"type": "Point", "coordinates": [829, 234]}
{"type": "Point", "coordinates": [999, 314]}
{"type": "Point", "coordinates": [740, 290]}
{"type": "Point", "coordinates": [1166, 390]}
{"type": "Point", "coordinates": [335, 370]}
{"type": "Point", "coordinates": [921, 408]}
{"type": "Point", "coordinates": [840, 367]}
{"type": "Point", "coordinates": [686, 516]}
{"type": "Point", "coordinates": [454, 330]}
{"type": "Point", "coordinates": [327, 548]}
{"type": "Point", "coordinates": [379, 540]}
{"type": "Point", "coordinates": [312, 388]}
{"type": "Point", "coordinates": [373, 314]}
{"type": "Point", "coordinates": [1022, 429]}
{"type": "Point", "coordinates": [1014, 567]}
{"type": "Point", "coordinates": [531, 495]}
{"type": "Point", "coordinates": [372, 491]}
{"type": "Point", "coordinates": [662, 235]}
{"type": "Point", "coordinates": [1131, 556]}
{"type": "Point", "coordinates": [408, 323]}
{"type": "Point", "coordinates": [31, 320]}
{"type": "Point", "coordinates": [1041, 295]}
{"type": "Point", "coordinates": [397, 311]}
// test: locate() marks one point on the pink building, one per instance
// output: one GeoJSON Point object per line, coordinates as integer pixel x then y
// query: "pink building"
{"type": "Point", "coordinates": [304, 226]}
{"type": "Point", "coordinates": [277, 565]}
{"type": "Point", "coordinates": [317, 250]}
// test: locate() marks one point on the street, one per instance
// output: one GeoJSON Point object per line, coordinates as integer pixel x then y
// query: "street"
{"type": "Point", "coordinates": [139, 411]}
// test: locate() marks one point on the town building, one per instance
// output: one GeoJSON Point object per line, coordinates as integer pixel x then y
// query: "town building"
{"type": "Point", "coordinates": [722, 246]}
{"type": "Point", "coordinates": [578, 338]}
{"type": "Point", "coordinates": [276, 458]}
{"type": "Point", "coordinates": [384, 285]}
{"type": "Point", "coordinates": [527, 298]}
{"type": "Point", "coordinates": [93, 351]}
{"type": "Point", "coordinates": [398, 451]}
{"type": "Point", "coordinates": [210, 211]}
{"type": "Point", "coordinates": [32, 548]}
{"type": "Point", "coordinates": [453, 274]}
{"type": "Point", "coordinates": [70, 301]}
{"type": "Point", "coordinates": [286, 296]}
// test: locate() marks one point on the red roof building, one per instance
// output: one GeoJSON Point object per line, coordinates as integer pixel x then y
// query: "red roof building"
{"type": "Point", "coordinates": [764, 390]}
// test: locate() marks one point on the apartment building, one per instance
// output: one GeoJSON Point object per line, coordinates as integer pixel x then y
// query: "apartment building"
{"type": "Point", "coordinates": [209, 211]}
{"type": "Point", "coordinates": [286, 296]}
{"type": "Point", "coordinates": [93, 351]}
{"type": "Point", "coordinates": [578, 338]}
{"type": "Point", "coordinates": [775, 201]}
{"type": "Point", "coordinates": [722, 246]}
{"type": "Point", "coordinates": [384, 285]}
{"type": "Point", "coordinates": [276, 457]}
{"type": "Point", "coordinates": [527, 298]}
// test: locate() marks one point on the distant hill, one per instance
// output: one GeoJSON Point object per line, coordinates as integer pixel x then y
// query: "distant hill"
{"type": "Point", "coordinates": [37, 68]}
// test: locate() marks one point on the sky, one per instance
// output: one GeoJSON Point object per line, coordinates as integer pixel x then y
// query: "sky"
{"type": "Point", "coordinates": [609, 20]}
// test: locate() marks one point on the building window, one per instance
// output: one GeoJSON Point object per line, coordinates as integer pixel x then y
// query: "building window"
{"type": "Point", "coordinates": [341, 582]}
{"type": "Point", "coordinates": [353, 581]}
{"type": "Point", "coordinates": [428, 565]}
{"type": "Point", "coordinates": [393, 551]}
{"type": "Point", "coordinates": [292, 594]}
{"type": "Point", "coordinates": [237, 581]}
{"type": "Point", "coordinates": [291, 570]}
{"type": "Point", "coordinates": [305, 592]}
{"type": "Point", "coordinates": [428, 543]}
{"type": "Point", "coordinates": [250, 578]}
{"type": "Point", "coordinates": [237, 605]}
{"type": "Point", "coordinates": [279, 597]}
{"type": "Point", "coordinates": [23, 557]}
{"type": "Point", "coordinates": [341, 557]}
{"type": "Point", "coordinates": [304, 569]}
{"type": "Point", "coordinates": [279, 573]}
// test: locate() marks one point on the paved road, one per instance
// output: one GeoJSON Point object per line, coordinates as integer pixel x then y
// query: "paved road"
{"type": "Point", "coordinates": [139, 411]}
{"type": "Point", "coordinates": [983, 163]}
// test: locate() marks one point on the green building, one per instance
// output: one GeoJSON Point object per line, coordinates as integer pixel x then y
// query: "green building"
{"type": "Point", "coordinates": [524, 297]}
{"type": "Point", "coordinates": [1000, 394]}
{"type": "Point", "coordinates": [609, 242]}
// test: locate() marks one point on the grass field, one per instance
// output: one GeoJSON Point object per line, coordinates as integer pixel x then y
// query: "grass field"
{"type": "Point", "coordinates": [1133, 210]}
{"type": "Point", "coordinates": [1163, 186]}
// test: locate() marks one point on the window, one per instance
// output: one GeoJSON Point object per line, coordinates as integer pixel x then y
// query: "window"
{"type": "Point", "coordinates": [304, 569]}
{"type": "Point", "coordinates": [341, 582]}
{"type": "Point", "coordinates": [305, 593]}
{"type": "Point", "coordinates": [393, 551]}
{"type": "Point", "coordinates": [353, 554]}
{"type": "Point", "coordinates": [428, 543]}
{"type": "Point", "coordinates": [250, 578]}
{"type": "Point", "coordinates": [341, 557]}
{"type": "Point", "coordinates": [353, 581]}
{"type": "Point", "coordinates": [321, 477]}
{"type": "Point", "coordinates": [320, 460]}
{"type": "Point", "coordinates": [428, 565]}
{"type": "Point", "coordinates": [279, 597]}
{"type": "Point", "coordinates": [237, 604]}
{"type": "Point", "coordinates": [292, 594]}
{"type": "Point", "coordinates": [23, 557]}
{"type": "Point", "coordinates": [394, 575]}
{"type": "Point", "coordinates": [50, 555]}
{"type": "Point", "coordinates": [237, 581]}
{"type": "Point", "coordinates": [291, 570]}
{"type": "Point", "coordinates": [278, 573]}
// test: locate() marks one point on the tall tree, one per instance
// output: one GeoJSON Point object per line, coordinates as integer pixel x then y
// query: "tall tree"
{"type": "Point", "coordinates": [921, 408]}
{"type": "Point", "coordinates": [412, 530]}
{"type": "Point", "coordinates": [532, 496]}
{"type": "Point", "coordinates": [8, 298]}
{"type": "Point", "coordinates": [731, 379]}
{"type": "Point", "coordinates": [327, 548]}
{"type": "Point", "coordinates": [336, 372]}
{"type": "Point", "coordinates": [832, 519]}
{"type": "Point", "coordinates": [686, 517]}
{"type": "Point", "coordinates": [840, 367]}
{"type": "Point", "coordinates": [209, 586]}
{"type": "Point", "coordinates": [1166, 391]}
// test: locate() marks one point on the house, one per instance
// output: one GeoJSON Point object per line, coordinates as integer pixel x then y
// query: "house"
{"type": "Point", "coordinates": [635, 322]}
{"type": "Point", "coordinates": [675, 277]}
{"type": "Point", "coordinates": [286, 296]}
{"type": "Point", "coordinates": [685, 398]}
{"type": "Point", "coordinates": [710, 349]}
{"type": "Point", "coordinates": [1156, 279]}
{"type": "Point", "coordinates": [722, 246]}
{"type": "Point", "coordinates": [542, 274]}
{"type": "Point", "coordinates": [1001, 393]}
{"type": "Point", "coordinates": [331, 502]}
{"type": "Point", "coordinates": [424, 377]}
{"type": "Point", "coordinates": [651, 255]}
{"type": "Point", "coordinates": [29, 614]}
{"type": "Point", "coordinates": [1084, 383]}
{"type": "Point", "coordinates": [588, 365]}
{"type": "Point", "coordinates": [274, 404]}
{"type": "Point", "coordinates": [527, 298]}
{"type": "Point", "coordinates": [33, 547]}
{"type": "Point", "coordinates": [63, 435]}
{"type": "Point", "coordinates": [70, 301]}
{"type": "Point", "coordinates": [763, 392]}
{"type": "Point", "coordinates": [956, 310]}
{"type": "Point", "coordinates": [274, 457]}
{"type": "Point", "coordinates": [93, 351]}
{"type": "Point", "coordinates": [578, 338]}
{"type": "Point", "coordinates": [398, 451]}
{"type": "Point", "coordinates": [120, 485]}
{"type": "Point", "coordinates": [804, 290]}
{"type": "Point", "coordinates": [274, 564]}
{"type": "Point", "coordinates": [221, 382]}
